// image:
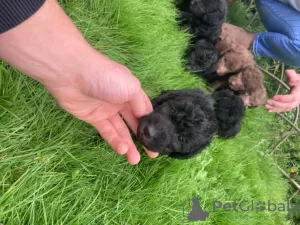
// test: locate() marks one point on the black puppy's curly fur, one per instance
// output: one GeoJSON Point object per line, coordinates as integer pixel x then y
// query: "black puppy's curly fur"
{"type": "Point", "coordinates": [230, 111]}
{"type": "Point", "coordinates": [205, 18]}
{"type": "Point", "coordinates": [181, 125]}
{"type": "Point", "coordinates": [184, 122]}
{"type": "Point", "coordinates": [203, 59]}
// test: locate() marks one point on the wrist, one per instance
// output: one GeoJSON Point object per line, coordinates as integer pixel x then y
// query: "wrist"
{"type": "Point", "coordinates": [69, 70]}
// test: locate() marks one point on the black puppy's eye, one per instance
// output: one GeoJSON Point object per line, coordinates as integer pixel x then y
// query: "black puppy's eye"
{"type": "Point", "coordinates": [180, 139]}
{"type": "Point", "coordinates": [172, 109]}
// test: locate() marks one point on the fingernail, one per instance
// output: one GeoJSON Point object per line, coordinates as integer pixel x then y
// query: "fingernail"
{"type": "Point", "coordinates": [153, 155]}
{"type": "Point", "coordinates": [133, 159]}
{"type": "Point", "coordinates": [268, 106]}
{"type": "Point", "coordinates": [150, 153]}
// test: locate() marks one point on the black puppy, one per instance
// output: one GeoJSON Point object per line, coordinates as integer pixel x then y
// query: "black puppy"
{"type": "Point", "coordinates": [230, 111]}
{"type": "Point", "coordinates": [202, 60]}
{"type": "Point", "coordinates": [184, 122]}
{"type": "Point", "coordinates": [181, 125]}
{"type": "Point", "coordinates": [205, 18]}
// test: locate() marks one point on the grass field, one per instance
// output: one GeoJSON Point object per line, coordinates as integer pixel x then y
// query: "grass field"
{"type": "Point", "coordinates": [57, 170]}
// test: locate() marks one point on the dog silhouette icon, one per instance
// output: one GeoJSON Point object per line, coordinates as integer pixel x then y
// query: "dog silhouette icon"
{"type": "Point", "coordinates": [197, 213]}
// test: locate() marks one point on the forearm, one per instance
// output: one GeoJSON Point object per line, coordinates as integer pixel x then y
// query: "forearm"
{"type": "Point", "coordinates": [46, 46]}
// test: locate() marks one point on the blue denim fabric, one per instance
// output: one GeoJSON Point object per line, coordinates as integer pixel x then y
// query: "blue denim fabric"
{"type": "Point", "coordinates": [282, 41]}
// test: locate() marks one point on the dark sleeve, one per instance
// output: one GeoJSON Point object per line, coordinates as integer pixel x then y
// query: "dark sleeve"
{"type": "Point", "coordinates": [14, 12]}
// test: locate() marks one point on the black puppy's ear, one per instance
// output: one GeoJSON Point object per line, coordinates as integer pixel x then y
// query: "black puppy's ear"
{"type": "Point", "coordinates": [171, 94]}
{"type": "Point", "coordinates": [163, 97]}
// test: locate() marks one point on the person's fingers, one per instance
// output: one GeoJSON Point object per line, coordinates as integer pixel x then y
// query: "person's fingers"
{"type": "Point", "coordinates": [121, 128]}
{"type": "Point", "coordinates": [285, 98]}
{"type": "Point", "coordinates": [132, 121]}
{"type": "Point", "coordinates": [293, 77]}
{"type": "Point", "coordinates": [133, 156]}
{"type": "Point", "coordinates": [110, 134]}
{"type": "Point", "coordinates": [151, 154]}
{"type": "Point", "coordinates": [136, 108]}
{"type": "Point", "coordinates": [277, 110]}
{"type": "Point", "coordinates": [275, 106]}
{"type": "Point", "coordinates": [141, 104]}
{"type": "Point", "coordinates": [296, 90]}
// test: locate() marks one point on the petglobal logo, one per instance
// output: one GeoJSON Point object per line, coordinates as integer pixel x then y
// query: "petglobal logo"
{"type": "Point", "coordinates": [248, 206]}
{"type": "Point", "coordinates": [192, 209]}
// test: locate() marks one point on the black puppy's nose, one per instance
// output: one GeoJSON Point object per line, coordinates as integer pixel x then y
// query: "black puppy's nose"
{"type": "Point", "coordinates": [149, 132]}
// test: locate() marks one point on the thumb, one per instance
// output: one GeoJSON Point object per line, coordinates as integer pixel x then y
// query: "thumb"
{"type": "Point", "coordinates": [293, 77]}
{"type": "Point", "coordinates": [141, 104]}
{"type": "Point", "coordinates": [115, 84]}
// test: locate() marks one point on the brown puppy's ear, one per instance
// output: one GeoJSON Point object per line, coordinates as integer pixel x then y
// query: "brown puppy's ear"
{"type": "Point", "coordinates": [252, 78]}
{"type": "Point", "coordinates": [236, 82]}
{"type": "Point", "coordinates": [223, 47]}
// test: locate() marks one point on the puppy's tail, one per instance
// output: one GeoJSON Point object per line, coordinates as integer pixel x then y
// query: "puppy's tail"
{"type": "Point", "coordinates": [230, 111]}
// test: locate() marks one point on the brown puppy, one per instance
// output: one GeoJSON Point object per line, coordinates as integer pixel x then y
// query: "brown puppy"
{"type": "Point", "coordinates": [236, 66]}
{"type": "Point", "coordinates": [236, 35]}
{"type": "Point", "coordinates": [255, 98]}
{"type": "Point", "coordinates": [250, 84]}
{"type": "Point", "coordinates": [233, 58]}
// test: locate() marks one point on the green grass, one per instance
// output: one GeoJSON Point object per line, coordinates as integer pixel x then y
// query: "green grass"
{"type": "Point", "coordinates": [287, 156]}
{"type": "Point", "coordinates": [57, 170]}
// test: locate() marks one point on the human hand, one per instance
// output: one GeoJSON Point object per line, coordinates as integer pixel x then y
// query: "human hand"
{"type": "Point", "coordinates": [105, 90]}
{"type": "Point", "coordinates": [48, 48]}
{"type": "Point", "coordinates": [284, 103]}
